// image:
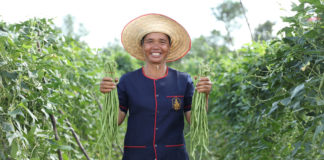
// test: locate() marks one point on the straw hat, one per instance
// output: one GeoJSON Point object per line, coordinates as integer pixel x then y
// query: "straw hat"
{"type": "Point", "coordinates": [136, 29]}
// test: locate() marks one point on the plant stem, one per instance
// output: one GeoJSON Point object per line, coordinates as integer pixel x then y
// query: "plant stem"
{"type": "Point", "coordinates": [56, 135]}
{"type": "Point", "coordinates": [246, 19]}
{"type": "Point", "coordinates": [76, 137]}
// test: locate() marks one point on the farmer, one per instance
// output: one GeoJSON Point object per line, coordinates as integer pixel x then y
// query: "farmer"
{"type": "Point", "coordinates": [157, 97]}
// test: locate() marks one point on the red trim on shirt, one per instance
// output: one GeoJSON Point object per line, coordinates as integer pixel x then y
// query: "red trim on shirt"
{"type": "Point", "coordinates": [176, 145]}
{"type": "Point", "coordinates": [154, 119]}
{"type": "Point", "coordinates": [123, 107]}
{"type": "Point", "coordinates": [189, 106]}
{"type": "Point", "coordinates": [167, 71]}
{"type": "Point", "coordinates": [174, 96]}
{"type": "Point", "coordinates": [134, 146]}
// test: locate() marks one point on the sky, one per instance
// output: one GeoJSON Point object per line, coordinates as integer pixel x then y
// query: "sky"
{"type": "Point", "coordinates": [105, 19]}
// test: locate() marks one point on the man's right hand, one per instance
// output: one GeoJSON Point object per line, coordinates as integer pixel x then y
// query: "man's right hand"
{"type": "Point", "coordinates": [107, 84]}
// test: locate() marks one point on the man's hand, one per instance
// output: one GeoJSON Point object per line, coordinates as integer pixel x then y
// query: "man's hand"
{"type": "Point", "coordinates": [107, 84]}
{"type": "Point", "coordinates": [204, 85]}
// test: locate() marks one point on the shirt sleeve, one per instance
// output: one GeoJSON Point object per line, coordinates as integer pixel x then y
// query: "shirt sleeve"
{"type": "Point", "coordinates": [188, 94]}
{"type": "Point", "coordinates": [122, 95]}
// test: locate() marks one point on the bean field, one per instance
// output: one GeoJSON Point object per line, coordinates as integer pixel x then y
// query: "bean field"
{"type": "Point", "coordinates": [267, 100]}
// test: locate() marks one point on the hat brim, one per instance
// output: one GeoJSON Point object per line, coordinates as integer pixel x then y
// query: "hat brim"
{"type": "Point", "coordinates": [136, 29]}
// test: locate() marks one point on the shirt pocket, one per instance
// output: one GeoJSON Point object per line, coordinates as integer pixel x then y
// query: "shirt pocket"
{"type": "Point", "coordinates": [175, 103]}
{"type": "Point", "coordinates": [134, 147]}
{"type": "Point", "coordinates": [174, 145]}
{"type": "Point", "coordinates": [136, 152]}
{"type": "Point", "coordinates": [175, 152]}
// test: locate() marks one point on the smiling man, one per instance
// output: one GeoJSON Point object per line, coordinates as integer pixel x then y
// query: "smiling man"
{"type": "Point", "coordinates": [157, 97]}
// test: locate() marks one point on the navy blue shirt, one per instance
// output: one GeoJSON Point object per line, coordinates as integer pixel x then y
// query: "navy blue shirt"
{"type": "Point", "coordinates": [156, 114]}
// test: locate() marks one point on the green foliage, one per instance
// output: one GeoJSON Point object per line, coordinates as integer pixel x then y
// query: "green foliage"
{"type": "Point", "coordinates": [125, 62]}
{"type": "Point", "coordinates": [266, 103]}
{"type": "Point", "coordinates": [43, 73]}
{"type": "Point", "coordinates": [263, 32]}
{"type": "Point", "coordinates": [268, 98]}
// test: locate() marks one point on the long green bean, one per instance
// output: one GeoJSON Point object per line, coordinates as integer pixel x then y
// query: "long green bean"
{"type": "Point", "coordinates": [199, 122]}
{"type": "Point", "coordinates": [109, 118]}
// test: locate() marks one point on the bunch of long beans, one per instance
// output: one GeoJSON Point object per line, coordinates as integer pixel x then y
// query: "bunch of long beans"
{"type": "Point", "coordinates": [108, 118]}
{"type": "Point", "coordinates": [198, 122]}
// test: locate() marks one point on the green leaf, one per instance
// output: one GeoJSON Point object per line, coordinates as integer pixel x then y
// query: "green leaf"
{"type": "Point", "coordinates": [65, 156]}
{"type": "Point", "coordinates": [9, 75]}
{"type": "Point", "coordinates": [11, 137]}
{"type": "Point", "coordinates": [53, 142]}
{"type": "Point", "coordinates": [285, 101]}
{"type": "Point", "coordinates": [297, 146]}
{"type": "Point", "coordinates": [27, 46]}
{"type": "Point", "coordinates": [296, 105]}
{"type": "Point", "coordinates": [319, 129]}
{"type": "Point", "coordinates": [3, 63]}
{"type": "Point", "coordinates": [297, 90]}
{"type": "Point", "coordinates": [299, 8]}
{"type": "Point", "coordinates": [319, 101]}
{"type": "Point", "coordinates": [28, 111]}
{"type": "Point", "coordinates": [3, 34]}
{"type": "Point", "coordinates": [310, 34]}
{"type": "Point", "coordinates": [45, 113]}
{"type": "Point", "coordinates": [31, 132]}
{"type": "Point", "coordinates": [65, 147]}
{"type": "Point", "coordinates": [16, 112]}
{"type": "Point", "coordinates": [274, 107]}
{"type": "Point", "coordinates": [8, 127]}
{"type": "Point", "coordinates": [14, 149]}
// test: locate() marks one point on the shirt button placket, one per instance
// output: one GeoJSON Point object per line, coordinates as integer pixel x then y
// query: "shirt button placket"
{"type": "Point", "coordinates": [157, 112]}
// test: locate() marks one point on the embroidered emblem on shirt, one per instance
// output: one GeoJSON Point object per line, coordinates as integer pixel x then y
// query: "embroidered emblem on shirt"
{"type": "Point", "coordinates": [176, 103]}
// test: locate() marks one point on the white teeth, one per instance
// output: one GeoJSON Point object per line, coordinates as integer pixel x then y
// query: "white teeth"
{"type": "Point", "coordinates": [156, 54]}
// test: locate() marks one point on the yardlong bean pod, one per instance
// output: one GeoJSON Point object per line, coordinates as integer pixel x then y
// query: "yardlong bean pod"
{"type": "Point", "coordinates": [109, 118]}
{"type": "Point", "coordinates": [199, 121]}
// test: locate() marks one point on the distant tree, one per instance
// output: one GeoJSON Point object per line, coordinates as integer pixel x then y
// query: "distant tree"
{"type": "Point", "coordinates": [263, 32]}
{"type": "Point", "coordinates": [229, 12]}
{"type": "Point", "coordinates": [68, 28]}
{"type": "Point", "coordinates": [125, 62]}
{"type": "Point", "coordinates": [68, 25]}
{"type": "Point", "coordinates": [207, 47]}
